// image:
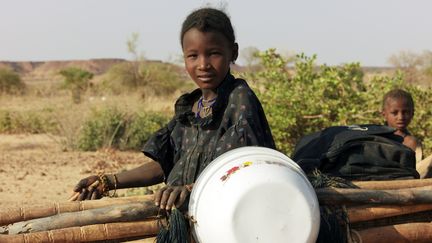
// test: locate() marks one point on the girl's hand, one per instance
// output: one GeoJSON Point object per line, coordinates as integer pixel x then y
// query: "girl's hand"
{"type": "Point", "coordinates": [170, 196]}
{"type": "Point", "coordinates": [88, 188]}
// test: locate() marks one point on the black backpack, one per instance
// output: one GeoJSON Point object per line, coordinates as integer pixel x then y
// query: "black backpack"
{"type": "Point", "coordinates": [358, 152]}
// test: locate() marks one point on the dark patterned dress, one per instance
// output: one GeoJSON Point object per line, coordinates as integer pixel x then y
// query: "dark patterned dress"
{"type": "Point", "coordinates": [187, 144]}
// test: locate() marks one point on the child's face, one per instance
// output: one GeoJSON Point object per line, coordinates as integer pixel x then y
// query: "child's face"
{"type": "Point", "coordinates": [207, 57]}
{"type": "Point", "coordinates": [397, 113]}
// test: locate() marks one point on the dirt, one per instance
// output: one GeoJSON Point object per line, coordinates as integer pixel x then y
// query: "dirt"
{"type": "Point", "coordinates": [34, 169]}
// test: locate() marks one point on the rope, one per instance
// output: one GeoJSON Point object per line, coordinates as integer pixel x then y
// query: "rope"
{"type": "Point", "coordinates": [334, 226]}
{"type": "Point", "coordinates": [176, 231]}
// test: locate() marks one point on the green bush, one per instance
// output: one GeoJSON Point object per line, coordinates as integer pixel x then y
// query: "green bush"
{"type": "Point", "coordinates": [421, 126]}
{"type": "Point", "coordinates": [10, 82]}
{"type": "Point", "coordinates": [316, 97]}
{"type": "Point", "coordinates": [103, 129]}
{"type": "Point", "coordinates": [113, 128]}
{"type": "Point", "coordinates": [140, 129]}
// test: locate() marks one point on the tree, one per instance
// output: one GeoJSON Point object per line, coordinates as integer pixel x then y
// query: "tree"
{"type": "Point", "coordinates": [148, 77]}
{"type": "Point", "coordinates": [138, 58]}
{"type": "Point", "coordinates": [417, 67]}
{"type": "Point", "coordinates": [77, 81]}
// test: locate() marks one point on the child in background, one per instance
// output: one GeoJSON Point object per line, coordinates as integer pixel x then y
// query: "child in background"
{"type": "Point", "coordinates": [222, 114]}
{"type": "Point", "coordinates": [398, 111]}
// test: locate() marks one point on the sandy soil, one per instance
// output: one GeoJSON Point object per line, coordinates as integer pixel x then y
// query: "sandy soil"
{"type": "Point", "coordinates": [34, 169]}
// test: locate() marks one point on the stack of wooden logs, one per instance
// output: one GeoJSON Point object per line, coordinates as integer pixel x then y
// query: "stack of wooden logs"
{"type": "Point", "coordinates": [112, 220]}
{"type": "Point", "coordinates": [385, 211]}
{"type": "Point", "coordinates": [379, 211]}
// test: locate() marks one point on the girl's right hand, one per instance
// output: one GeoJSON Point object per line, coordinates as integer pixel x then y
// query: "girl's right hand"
{"type": "Point", "coordinates": [170, 196]}
{"type": "Point", "coordinates": [89, 188]}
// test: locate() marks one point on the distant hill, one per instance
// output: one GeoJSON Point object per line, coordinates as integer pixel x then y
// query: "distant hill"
{"type": "Point", "coordinates": [47, 70]}
{"type": "Point", "coordinates": [33, 71]}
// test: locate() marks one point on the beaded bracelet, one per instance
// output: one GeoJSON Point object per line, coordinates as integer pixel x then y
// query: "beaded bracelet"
{"type": "Point", "coordinates": [103, 179]}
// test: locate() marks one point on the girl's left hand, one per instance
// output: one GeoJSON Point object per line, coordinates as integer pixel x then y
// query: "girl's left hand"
{"type": "Point", "coordinates": [170, 196]}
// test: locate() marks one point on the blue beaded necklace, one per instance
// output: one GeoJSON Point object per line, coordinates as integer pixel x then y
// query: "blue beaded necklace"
{"type": "Point", "coordinates": [206, 110]}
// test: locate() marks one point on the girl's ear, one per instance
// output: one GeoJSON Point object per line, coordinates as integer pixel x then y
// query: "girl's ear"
{"type": "Point", "coordinates": [235, 52]}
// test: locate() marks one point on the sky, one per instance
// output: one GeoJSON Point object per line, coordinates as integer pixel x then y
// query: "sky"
{"type": "Point", "coordinates": [338, 31]}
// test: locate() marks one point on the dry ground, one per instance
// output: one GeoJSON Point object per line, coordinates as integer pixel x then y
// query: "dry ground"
{"type": "Point", "coordinates": [33, 168]}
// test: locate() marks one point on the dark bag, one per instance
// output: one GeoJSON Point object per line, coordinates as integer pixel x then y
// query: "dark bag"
{"type": "Point", "coordinates": [358, 152]}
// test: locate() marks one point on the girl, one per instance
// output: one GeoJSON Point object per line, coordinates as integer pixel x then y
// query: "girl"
{"type": "Point", "coordinates": [222, 114]}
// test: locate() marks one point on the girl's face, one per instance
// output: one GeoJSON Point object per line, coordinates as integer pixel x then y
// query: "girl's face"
{"type": "Point", "coordinates": [207, 57]}
{"type": "Point", "coordinates": [397, 113]}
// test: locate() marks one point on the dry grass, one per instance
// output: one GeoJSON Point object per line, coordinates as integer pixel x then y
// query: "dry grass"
{"type": "Point", "coordinates": [34, 169]}
{"type": "Point", "coordinates": [63, 102]}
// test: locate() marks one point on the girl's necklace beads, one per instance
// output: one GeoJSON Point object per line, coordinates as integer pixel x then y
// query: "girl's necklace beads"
{"type": "Point", "coordinates": [205, 110]}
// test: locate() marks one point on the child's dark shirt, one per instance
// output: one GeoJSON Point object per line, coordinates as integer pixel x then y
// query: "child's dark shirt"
{"type": "Point", "coordinates": [187, 144]}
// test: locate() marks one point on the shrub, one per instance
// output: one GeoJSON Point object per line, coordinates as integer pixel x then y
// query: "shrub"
{"type": "Point", "coordinates": [103, 129]}
{"type": "Point", "coordinates": [141, 128]}
{"type": "Point", "coordinates": [113, 128]}
{"type": "Point", "coordinates": [316, 97]}
{"type": "Point", "coordinates": [421, 126]}
{"type": "Point", "coordinates": [10, 82]}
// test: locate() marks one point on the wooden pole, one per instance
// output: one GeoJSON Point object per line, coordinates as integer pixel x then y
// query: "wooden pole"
{"type": "Point", "coordinates": [89, 233]}
{"type": "Point", "coordinates": [110, 214]}
{"type": "Point", "coordinates": [16, 214]}
{"type": "Point", "coordinates": [410, 196]}
{"type": "Point", "coordinates": [401, 233]}
{"type": "Point", "coordinates": [393, 184]}
{"type": "Point", "coordinates": [366, 213]}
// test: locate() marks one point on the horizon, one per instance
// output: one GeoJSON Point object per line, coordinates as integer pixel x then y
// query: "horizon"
{"type": "Point", "coordinates": [152, 60]}
{"type": "Point", "coordinates": [336, 31]}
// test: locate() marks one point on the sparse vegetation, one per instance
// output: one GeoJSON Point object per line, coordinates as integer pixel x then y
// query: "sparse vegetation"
{"type": "Point", "coordinates": [26, 122]}
{"type": "Point", "coordinates": [299, 97]}
{"type": "Point", "coordinates": [149, 77]}
{"type": "Point", "coordinates": [10, 82]}
{"type": "Point", "coordinates": [153, 78]}
{"type": "Point", "coordinates": [113, 128]}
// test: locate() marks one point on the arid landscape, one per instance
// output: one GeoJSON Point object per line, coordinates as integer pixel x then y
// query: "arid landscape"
{"type": "Point", "coordinates": [67, 120]}
{"type": "Point", "coordinates": [39, 167]}
{"type": "Point", "coordinates": [35, 170]}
